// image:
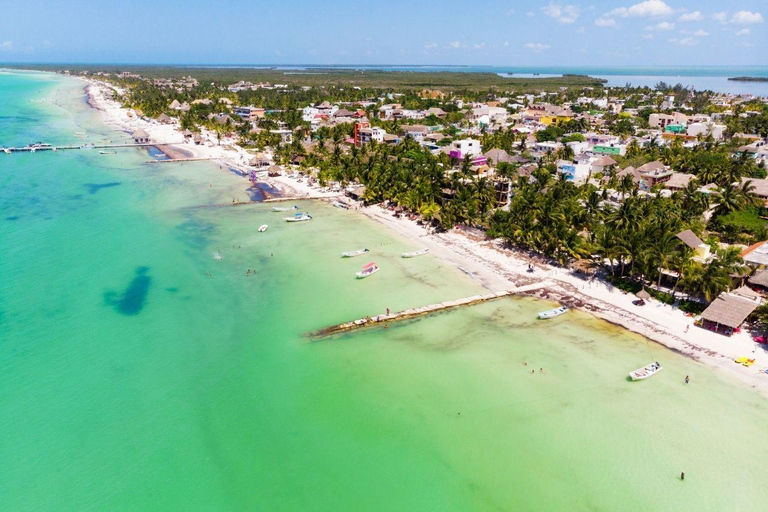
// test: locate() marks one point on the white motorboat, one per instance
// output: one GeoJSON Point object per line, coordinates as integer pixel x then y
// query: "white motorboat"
{"type": "Point", "coordinates": [284, 208]}
{"type": "Point", "coordinates": [299, 217]}
{"type": "Point", "coordinates": [108, 152]}
{"type": "Point", "coordinates": [552, 313]}
{"type": "Point", "coordinates": [263, 228]}
{"type": "Point", "coordinates": [339, 204]}
{"type": "Point", "coordinates": [368, 270]}
{"type": "Point", "coordinates": [414, 253]}
{"type": "Point", "coordinates": [352, 254]}
{"type": "Point", "coordinates": [646, 371]}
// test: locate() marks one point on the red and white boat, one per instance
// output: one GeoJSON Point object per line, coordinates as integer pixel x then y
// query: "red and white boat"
{"type": "Point", "coordinates": [368, 270]}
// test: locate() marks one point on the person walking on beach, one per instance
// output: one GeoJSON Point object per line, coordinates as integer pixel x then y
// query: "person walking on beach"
{"type": "Point", "coordinates": [387, 311]}
{"type": "Point", "coordinates": [687, 327]}
{"type": "Point", "coordinates": [687, 379]}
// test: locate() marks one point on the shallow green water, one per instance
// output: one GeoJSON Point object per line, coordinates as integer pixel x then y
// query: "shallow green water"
{"type": "Point", "coordinates": [129, 380]}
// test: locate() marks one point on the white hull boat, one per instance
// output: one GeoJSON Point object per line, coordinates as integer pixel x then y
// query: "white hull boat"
{"type": "Point", "coordinates": [352, 254]}
{"type": "Point", "coordinates": [284, 208]}
{"type": "Point", "coordinates": [108, 152]}
{"type": "Point", "coordinates": [552, 313]}
{"type": "Point", "coordinates": [368, 270]}
{"type": "Point", "coordinates": [263, 228]}
{"type": "Point", "coordinates": [415, 253]}
{"type": "Point", "coordinates": [646, 371]}
{"type": "Point", "coordinates": [299, 217]}
{"type": "Point", "coordinates": [339, 204]}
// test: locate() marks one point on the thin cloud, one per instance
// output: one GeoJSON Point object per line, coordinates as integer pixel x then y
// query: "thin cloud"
{"type": "Point", "coordinates": [664, 26]}
{"type": "Point", "coordinates": [701, 33]}
{"type": "Point", "coordinates": [605, 22]}
{"type": "Point", "coordinates": [646, 9]}
{"type": "Point", "coordinates": [746, 18]}
{"type": "Point", "coordinates": [429, 46]}
{"type": "Point", "coordinates": [537, 47]}
{"type": "Point", "coordinates": [565, 14]}
{"type": "Point", "coordinates": [743, 32]}
{"type": "Point", "coordinates": [691, 16]}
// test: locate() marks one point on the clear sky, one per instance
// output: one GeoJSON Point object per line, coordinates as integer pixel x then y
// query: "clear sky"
{"type": "Point", "coordinates": [489, 32]}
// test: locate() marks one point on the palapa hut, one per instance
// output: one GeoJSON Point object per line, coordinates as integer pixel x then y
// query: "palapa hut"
{"type": "Point", "coordinates": [274, 170]}
{"type": "Point", "coordinates": [259, 161]}
{"type": "Point", "coordinates": [643, 294]}
{"type": "Point", "coordinates": [759, 279]}
{"type": "Point", "coordinates": [140, 136]}
{"type": "Point", "coordinates": [164, 119]}
{"type": "Point", "coordinates": [729, 310]}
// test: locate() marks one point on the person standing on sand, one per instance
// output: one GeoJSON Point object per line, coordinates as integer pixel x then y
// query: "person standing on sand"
{"type": "Point", "coordinates": [687, 379]}
{"type": "Point", "coordinates": [687, 327]}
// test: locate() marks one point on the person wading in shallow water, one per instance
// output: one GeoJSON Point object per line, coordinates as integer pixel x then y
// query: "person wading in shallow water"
{"type": "Point", "coordinates": [682, 475]}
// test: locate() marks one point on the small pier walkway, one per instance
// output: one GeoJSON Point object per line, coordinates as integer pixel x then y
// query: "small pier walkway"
{"type": "Point", "coordinates": [425, 310]}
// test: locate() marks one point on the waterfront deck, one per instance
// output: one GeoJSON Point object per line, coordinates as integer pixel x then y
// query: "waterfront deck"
{"type": "Point", "coordinates": [424, 310]}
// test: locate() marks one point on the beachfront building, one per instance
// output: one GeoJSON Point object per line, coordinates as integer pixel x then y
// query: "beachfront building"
{"type": "Point", "coordinates": [729, 310]}
{"type": "Point", "coordinates": [700, 249]}
{"type": "Point", "coordinates": [140, 136]}
{"type": "Point", "coordinates": [250, 114]}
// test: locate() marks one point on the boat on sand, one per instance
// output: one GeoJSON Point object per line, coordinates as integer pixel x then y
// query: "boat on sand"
{"type": "Point", "coordinates": [368, 270]}
{"type": "Point", "coordinates": [352, 254]}
{"type": "Point", "coordinates": [552, 313]}
{"type": "Point", "coordinates": [646, 371]}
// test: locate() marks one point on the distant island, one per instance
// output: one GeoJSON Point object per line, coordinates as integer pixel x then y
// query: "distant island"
{"type": "Point", "coordinates": [749, 79]}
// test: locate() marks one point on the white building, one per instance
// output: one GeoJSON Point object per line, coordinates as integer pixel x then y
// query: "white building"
{"type": "Point", "coordinates": [466, 147]}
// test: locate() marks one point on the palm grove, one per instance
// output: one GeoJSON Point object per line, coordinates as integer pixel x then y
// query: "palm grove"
{"type": "Point", "coordinates": [539, 210]}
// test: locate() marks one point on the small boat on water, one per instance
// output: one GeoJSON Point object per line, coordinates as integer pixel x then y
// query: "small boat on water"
{"type": "Point", "coordinates": [414, 253]}
{"type": "Point", "coordinates": [263, 228]}
{"type": "Point", "coordinates": [299, 217]}
{"type": "Point", "coordinates": [368, 270]}
{"type": "Point", "coordinates": [339, 204]}
{"type": "Point", "coordinates": [108, 152]}
{"type": "Point", "coordinates": [217, 256]}
{"type": "Point", "coordinates": [552, 313]}
{"type": "Point", "coordinates": [284, 208]}
{"type": "Point", "coordinates": [646, 371]}
{"type": "Point", "coordinates": [352, 254]}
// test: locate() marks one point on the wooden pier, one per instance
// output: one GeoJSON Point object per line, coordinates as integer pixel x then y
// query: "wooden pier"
{"type": "Point", "coordinates": [425, 310]}
{"type": "Point", "coordinates": [50, 147]}
{"type": "Point", "coordinates": [182, 160]}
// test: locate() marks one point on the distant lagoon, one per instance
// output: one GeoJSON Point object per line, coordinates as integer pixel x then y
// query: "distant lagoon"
{"type": "Point", "coordinates": [701, 78]}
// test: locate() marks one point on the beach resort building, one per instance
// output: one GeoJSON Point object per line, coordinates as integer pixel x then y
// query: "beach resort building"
{"type": "Point", "coordinates": [729, 310]}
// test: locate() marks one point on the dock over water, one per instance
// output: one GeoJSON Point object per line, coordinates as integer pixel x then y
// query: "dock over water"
{"type": "Point", "coordinates": [424, 310]}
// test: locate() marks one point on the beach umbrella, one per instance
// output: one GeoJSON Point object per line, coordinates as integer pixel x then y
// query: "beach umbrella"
{"type": "Point", "coordinates": [642, 294]}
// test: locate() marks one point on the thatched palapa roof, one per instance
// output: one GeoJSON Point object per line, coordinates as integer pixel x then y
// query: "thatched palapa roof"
{"type": "Point", "coordinates": [732, 308]}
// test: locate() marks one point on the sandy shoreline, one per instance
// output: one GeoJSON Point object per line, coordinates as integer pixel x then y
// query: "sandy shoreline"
{"type": "Point", "coordinates": [495, 267]}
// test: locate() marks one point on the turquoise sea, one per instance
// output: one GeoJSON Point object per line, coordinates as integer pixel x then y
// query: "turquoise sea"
{"type": "Point", "coordinates": [130, 380]}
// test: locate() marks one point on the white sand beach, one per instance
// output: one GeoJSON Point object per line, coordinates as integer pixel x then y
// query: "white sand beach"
{"type": "Point", "coordinates": [494, 266]}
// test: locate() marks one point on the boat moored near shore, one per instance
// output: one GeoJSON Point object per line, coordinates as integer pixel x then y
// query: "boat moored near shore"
{"type": "Point", "coordinates": [368, 270]}
{"type": "Point", "coordinates": [552, 313]}
{"type": "Point", "coordinates": [299, 217]}
{"type": "Point", "coordinates": [646, 371]}
{"type": "Point", "coordinates": [352, 254]}
{"type": "Point", "coordinates": [413, 254]}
